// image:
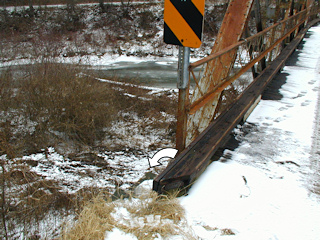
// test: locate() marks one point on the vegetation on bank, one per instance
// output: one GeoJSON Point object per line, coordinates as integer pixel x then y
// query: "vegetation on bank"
{"type": "Point", "coordinates": [61, 106]}
{"type": "Point", "coordinates": [77, 30]}
{"type": "Point", "coordinates": [47, 105]}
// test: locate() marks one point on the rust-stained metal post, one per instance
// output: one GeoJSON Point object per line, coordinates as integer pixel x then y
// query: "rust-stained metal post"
{"type": "Point", "coordinates": [181, 121]}
{"type": "Point", "coordinates": [182, 84]}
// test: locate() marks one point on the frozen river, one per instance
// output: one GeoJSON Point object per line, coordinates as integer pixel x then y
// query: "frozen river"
{"type": "Point", "coordinates": [156, 73]}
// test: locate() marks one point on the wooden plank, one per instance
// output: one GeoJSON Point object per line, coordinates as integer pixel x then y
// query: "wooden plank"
{"type": "Point", "coordinates": [190, 163]}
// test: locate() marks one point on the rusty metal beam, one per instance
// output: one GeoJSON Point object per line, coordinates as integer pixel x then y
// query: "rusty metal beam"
{"type": "Point", "coordinates": [237, 44]}
{"type": "Point", "coordinates": [195, 114]}
{"type": "Point", "coordinates": [195, 106]}
{"type": "Point", "coordinates": [231, 30]}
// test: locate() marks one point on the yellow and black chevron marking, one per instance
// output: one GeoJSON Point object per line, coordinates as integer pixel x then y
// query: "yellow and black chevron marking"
{"type": "Point", "coordinates": [183, 22]}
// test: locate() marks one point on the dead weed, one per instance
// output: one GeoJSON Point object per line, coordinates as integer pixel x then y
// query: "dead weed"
{"type": "Point", "coordinates": [147, 217]}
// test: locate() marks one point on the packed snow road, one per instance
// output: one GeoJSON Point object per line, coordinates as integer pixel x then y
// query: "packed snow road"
{"type": "Point", "coordinates": [267, 187]}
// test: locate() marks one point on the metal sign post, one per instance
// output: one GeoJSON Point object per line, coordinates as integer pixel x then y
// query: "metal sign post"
{"type": "Point", "coordinates": [183, 64]}
{"type": "Point", "coordinates": [182, 84]}
{"type": "Point", "coordinates": [183, 25]}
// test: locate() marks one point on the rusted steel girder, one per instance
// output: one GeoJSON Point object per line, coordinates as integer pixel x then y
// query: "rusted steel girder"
{"type": "Point", "coordinates": [231, 30]}
{"type": "Point", "coordinates": [192, 109]}
{"type": "Point", "coordinates": [203, 100]}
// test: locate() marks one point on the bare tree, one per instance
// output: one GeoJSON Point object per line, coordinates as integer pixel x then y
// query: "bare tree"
{"type": "Point", "coordinates": [101, 4]}
{"type": "Point", "coordinates": [31, 9]}
{"type": "Point", "coordinates": [125, 7]}
{"type": "Point", "coordinates": [71, 4]}
{"type": "Point", "coordinates": [4, 4]}
{"type": "Point", "coordinates": [104, 5]}
{"type": "Point", "coordinates": [3, 204]}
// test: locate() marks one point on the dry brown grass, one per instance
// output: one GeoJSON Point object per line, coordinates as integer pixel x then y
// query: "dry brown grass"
{"type": "Point", "coordinates": [93, 221]}
{"type": "Point", "coordinates": [146, 217]}
{"type": "Point", "coordinates": [166, 206]}
{"type": "Point", "coordinates": [26, 199]}
{"type": "Point", "coordinates": [53, 103]}
{"type": "Point", "coordinates": [161, 215]}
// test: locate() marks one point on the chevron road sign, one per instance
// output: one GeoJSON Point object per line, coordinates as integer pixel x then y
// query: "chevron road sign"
{"type": "Point", "coordinates": [183, 22]}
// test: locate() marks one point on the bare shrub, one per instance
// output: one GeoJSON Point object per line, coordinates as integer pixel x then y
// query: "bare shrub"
{"type": "Point", "coordinates": [69, 19]}
{"type": "Point", "coordinates": [212, 20]}
{"type": "Point", "coordinates": [23, 31]}
{"type": "Point", "coordinates": [25, 198]}
{"type": "Point", "coordinates": [53, 102]}
{"type": "Point", "coordinates": [146, 19]}
{"type": "Point", "coordinates": [76, 105]}
{"type": "Point", "coordinates": [30, 205]}
{"type": "Point", "coordinates": [154, 106]}
{"type": "Point", "coordinates": [21, 21]}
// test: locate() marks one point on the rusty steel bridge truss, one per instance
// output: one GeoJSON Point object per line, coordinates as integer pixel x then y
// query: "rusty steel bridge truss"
{"type": "Point", "coordinates": [219, 78]}
{"type": "Point", "coordinates": [250, 48]}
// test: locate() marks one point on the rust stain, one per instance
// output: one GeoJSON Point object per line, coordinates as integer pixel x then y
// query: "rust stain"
{"type": "Point", "coordinates": [231, 31]}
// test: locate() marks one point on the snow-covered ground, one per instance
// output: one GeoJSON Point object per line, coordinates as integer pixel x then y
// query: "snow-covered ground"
{"type": "Point", "coordinates": [263, 189]}
{"type": "Point", "coordinates": [267, 188]}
